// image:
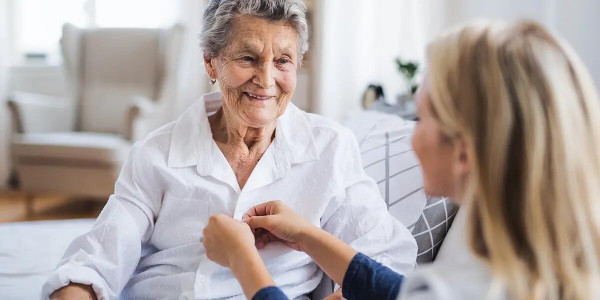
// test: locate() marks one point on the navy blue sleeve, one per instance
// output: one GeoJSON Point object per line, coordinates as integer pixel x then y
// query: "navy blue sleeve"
{"type": "Point", "coordinates": [368, 279]}
{"type": "Point", "coordinates": [270, 293]}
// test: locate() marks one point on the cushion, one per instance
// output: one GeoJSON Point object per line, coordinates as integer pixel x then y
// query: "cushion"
{"type": "Point", "coordinates": [73, 146]}
{"type": "Point", "coordinates": [385, 145]}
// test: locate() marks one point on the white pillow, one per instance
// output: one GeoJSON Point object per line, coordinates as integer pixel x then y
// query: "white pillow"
{"type": "Point", "coordinates": [385, 145]}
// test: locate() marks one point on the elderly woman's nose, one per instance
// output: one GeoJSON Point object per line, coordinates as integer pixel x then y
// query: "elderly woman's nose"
{"type": "Point", "coordinates": [265, 75]}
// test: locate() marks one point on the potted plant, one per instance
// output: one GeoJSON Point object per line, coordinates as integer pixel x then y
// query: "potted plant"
{"type": "Point", "coordinates": [409, 71]}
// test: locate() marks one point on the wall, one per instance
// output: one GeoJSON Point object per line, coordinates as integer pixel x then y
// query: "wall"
{"type": "Point", "coordinates": [577, 21]}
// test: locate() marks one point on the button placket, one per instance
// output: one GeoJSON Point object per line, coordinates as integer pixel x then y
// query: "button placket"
{"type": "Point", "coordinates": [203, 274]}
{"type": "Point", "coordinates": [239, 206]}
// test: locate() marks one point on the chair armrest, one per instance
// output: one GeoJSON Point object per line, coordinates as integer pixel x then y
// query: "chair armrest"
{"type": "Point", "coordinates": [143, 116]}
{"type": "Point", "coordinates": [40, 113]}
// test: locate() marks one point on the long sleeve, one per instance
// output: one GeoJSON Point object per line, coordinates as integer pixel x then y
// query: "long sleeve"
{"type": "Point", "coordinates": [108, 254]}
{"type": "Point", "coordinates": [359, 217]}
{"type": "Point", "coordinates": [365, 279]}
{"type": "Point", "coordinates": [270, 293]}
{"type": "Point", "coordinates": [368, 279]}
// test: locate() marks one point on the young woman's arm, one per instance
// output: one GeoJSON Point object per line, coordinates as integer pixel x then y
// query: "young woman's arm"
{"type": "Point", "coordinates": [359, 276]}
{"type": "Point", "coordinates": [231, 243]}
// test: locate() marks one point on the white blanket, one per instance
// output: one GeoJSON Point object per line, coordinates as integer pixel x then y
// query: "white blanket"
{"type": "Point", "coordinates": [30, 251]}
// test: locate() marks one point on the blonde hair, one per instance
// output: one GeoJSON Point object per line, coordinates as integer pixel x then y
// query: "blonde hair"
{"type": "Point", "coordinates": [529, 113]}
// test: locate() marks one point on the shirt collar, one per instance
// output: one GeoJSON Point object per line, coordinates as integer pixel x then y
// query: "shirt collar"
{"type": "Point", "coordinates": [192, 141]}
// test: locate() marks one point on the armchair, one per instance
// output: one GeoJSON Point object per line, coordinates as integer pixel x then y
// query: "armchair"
{"type": "Point", "coordinates": [122, 80]}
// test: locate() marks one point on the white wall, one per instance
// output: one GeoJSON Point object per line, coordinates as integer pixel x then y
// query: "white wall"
{"type": "Point", "coordinates": [577, 21]}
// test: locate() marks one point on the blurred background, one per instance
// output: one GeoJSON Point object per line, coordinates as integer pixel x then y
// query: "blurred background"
{"type": "Point", "coordinates": [354, 44]}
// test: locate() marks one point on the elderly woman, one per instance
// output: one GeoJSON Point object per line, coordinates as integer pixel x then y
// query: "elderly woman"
{"type": "Point", "coordinates": [147, 242]}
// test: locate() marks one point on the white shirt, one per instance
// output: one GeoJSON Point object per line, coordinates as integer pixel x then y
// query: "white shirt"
{"type": "Point", "coordinates": [455, 274]}
{"type": "Point", "coordinates": [147, 242]}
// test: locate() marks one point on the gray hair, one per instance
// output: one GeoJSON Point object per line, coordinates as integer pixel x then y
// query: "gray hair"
{"type": "Point", "coordinates": [220, 15]}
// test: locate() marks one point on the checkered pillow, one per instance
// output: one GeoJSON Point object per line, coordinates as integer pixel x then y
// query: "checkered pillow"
{"type": "Point", "coordinates": [388, 158]}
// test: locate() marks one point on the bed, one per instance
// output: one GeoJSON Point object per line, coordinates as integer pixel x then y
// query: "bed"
{"type": "Point", "coordinates": [29, 251]}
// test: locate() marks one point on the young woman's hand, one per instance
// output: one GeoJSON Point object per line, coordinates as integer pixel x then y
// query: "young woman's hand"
{"type": "Point", "coordinates": [274, 221]}
{"type": "Point", "coordinates": [230, 243]}
{"type": "Point", "coordinates": [226, 240]}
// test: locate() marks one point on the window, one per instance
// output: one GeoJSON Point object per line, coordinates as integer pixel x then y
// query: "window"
{"type": "Point", "coordinates": [135, 13]}
{"type": "Point", "coordinates": [37, 24]}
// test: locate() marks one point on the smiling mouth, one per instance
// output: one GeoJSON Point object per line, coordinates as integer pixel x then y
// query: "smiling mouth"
{"type": "Point", "coordinates": [258, 98]}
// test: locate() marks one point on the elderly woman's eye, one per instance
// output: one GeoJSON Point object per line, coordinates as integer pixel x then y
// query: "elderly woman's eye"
{"type": "Point", "coordinates": [284, 61]}
{"type": "Point", "coordinates": [248, 58]}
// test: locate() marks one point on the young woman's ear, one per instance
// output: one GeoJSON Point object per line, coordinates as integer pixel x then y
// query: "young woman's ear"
{"type": "Point", "coordinates": [462, 159]}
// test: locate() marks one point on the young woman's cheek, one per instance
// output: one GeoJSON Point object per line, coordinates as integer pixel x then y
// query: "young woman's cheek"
{"type": "Point", "coordinates": [416, 141]}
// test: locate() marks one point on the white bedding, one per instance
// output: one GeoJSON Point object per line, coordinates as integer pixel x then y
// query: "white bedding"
{"type": "Point", "coordinates": [29, 251]}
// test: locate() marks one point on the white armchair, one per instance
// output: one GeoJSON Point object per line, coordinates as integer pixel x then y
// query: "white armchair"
{"type": "Point", "coordinates": [121, 83]}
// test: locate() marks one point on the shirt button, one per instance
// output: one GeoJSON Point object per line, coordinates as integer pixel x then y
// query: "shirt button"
{"type": "Point", "coordinates": [202, 278]}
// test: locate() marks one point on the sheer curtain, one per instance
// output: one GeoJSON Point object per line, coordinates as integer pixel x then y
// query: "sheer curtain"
{"type": "Point", "coordinates": [358, 42]}
{"type": "Point", "coordinates": [193, 81]}
{"type": "Point", "coordinates": [4, 118]}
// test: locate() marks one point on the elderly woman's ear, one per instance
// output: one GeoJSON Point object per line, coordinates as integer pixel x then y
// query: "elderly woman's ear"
{"type": "Point", "coordinates": [210, 67]}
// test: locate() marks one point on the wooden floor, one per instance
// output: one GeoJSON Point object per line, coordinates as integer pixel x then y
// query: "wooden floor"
{"type": "Point", "coordinates": [13, 207]}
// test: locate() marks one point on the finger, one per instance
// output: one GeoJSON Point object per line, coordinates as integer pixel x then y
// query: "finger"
{"type": "Point", "coordinates": [335, 295]}
{"type": "Point", "coordinates": [264, 240]}
{"type": "Point", "coordinates": [263, 209]}
{"type": "Point", "coordinates": [257, 210]}
{"type": "Point", "coordinates": [258, 233]}
{"type": "Point", "coordinates": [269, 238]}
{"type": "Point", "coordinates": [260, 222]}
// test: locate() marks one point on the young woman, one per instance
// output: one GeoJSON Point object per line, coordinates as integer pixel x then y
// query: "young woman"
{"type": "Point", "coordinates": [509, 127]}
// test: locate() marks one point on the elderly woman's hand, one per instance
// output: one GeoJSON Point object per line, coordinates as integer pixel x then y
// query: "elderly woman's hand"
{"type": "Point", "coordinates": [74, 291]}
{"type": "Point", "coordinates": [337, 295]}
{"type": "Point", "coordinates": [226, 240]}
{"type": "Point", "coordinates": [275, 221]}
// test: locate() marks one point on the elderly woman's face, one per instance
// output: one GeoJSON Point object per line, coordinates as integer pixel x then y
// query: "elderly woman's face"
{"type": "Point", "coordinates": [257, 70]}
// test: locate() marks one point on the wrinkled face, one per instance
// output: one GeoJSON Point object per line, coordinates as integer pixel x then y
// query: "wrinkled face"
{"type": "Point", "coordinates": [256, 71]}
{"type": "Point", "coordinates": [436, 153]}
